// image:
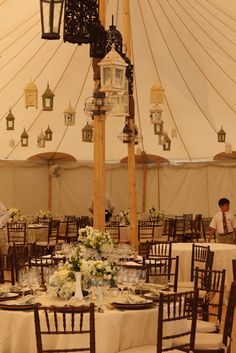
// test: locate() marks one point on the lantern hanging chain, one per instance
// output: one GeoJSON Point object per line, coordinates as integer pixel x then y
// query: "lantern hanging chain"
{"type": "Point", "coordinates": [36, 77]}
{"type": "Point", "coordinates": [200, 44]}
{"type": "Point", "coordinates": [158, 75]}
{"type": "Point", "coordinates": [136, 90]}
{"type": "Point", "coordinates": [218, 19]}
{"type": "Point", "coordinates": [38, 115]}
{"type": "Point", "coordinates": [195, 61]}
{"type": "Point", "coordinates": [197, 23]}
{"type": "Point", "coordinates": [16, 29]}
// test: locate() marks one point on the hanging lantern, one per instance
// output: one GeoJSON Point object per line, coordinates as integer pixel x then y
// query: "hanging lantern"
{"type": "Point", "coordinates": [126, 135]}
{"type": "Point", "coordinates": [87, 133]}
{"type": "Point", "coordinates": [221, 135]}
{"type": "Point", "coordinates": [69, 116]}
{"type": "Point", "coordinates": [156, 94]}
{"type": "Point", "coordinates": [48, 134]}
{"type": "Point", "coordinates": [161, 138]}
{"type": "Point", "coordinates": [31, 95]}
{"type": "Point", "coordinates": [137, 137]}
{"type": "Point", "coordinates": [155, 113]}
{"type": "Point", "coordinates": [24, 139]}
{"type": "Point", "coordinates": [119, 104]}
{"type": "Point", "coordinates": [51, 13]}
{"type": "Point", "coordinates": [167, 143]}
{"type": "Point", "coordinates": [48, 99]}
{"type": "Point", "coordinates": [113, 72]}
{"type": "Point", "coordinates": [10, 120]}
{"type": "Point", "coordinates": [158, 128]}
{"type": "Point", "coordinates": [41, 140]}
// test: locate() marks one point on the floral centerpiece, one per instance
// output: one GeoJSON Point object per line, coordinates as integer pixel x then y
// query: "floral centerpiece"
{"type": "Point", "coordinates": [91, 238]}
{"type": "Point", "coordinates": [153, 213]}
{"type": "Point", "coordinates": [124, 216]}
{"type": "Point", "coordinates": [43, 214]}
{"type": "Point", "coordinates": [15, 215]}
{"type": "Point", "coordinates": [62, 282]}
{"type": "Point", "coordinates": [66, 280]}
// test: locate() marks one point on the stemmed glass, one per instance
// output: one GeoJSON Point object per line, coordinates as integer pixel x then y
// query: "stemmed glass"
{"type": "Point", "coordinates": [121, 279]}
{"type": "Point", "coordinates": [23, 279]}
{"type": "Point", "coordinates": [142, 279]}
{"type": "Point", "coordinates": [34, 279]}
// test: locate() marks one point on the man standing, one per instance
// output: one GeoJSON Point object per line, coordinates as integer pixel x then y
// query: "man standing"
{"type": "Point", "coordinates": [223, 224]}
{"type": "Point", "coordinates": [109, 207]}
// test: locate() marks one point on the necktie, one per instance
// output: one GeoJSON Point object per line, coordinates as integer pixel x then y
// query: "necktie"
{"type": "Point", "coordinates": [224, 223]}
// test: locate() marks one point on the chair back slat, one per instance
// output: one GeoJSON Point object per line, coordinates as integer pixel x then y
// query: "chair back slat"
{"type": "Point", "coordinates": [65, 320]}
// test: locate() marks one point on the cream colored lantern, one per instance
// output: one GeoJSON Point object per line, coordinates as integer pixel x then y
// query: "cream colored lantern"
{"type": "Point", "coordinates": [31, 95]}
{"type": "Point", "coordinates": [69, 116]}
{"type": "Point", "coordinates": [113, 72]}
{"type": "Point", "coordinates": [156, 94]}
{"type": "Point", "coordinates": [41, 140]}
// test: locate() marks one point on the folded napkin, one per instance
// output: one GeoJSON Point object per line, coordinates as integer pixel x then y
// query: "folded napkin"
{"type": "Point", "coordinates": [27, 299]}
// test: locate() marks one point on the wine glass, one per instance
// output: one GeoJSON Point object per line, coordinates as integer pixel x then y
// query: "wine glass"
{"type": "Point", "coordinates": [121, 280]}
{"type": "Point", "coordinates": [142, 279]}
{"type": "Point", "coordinates": [34, 279]}
{"type": "Point", "coordinates": [23, 280]}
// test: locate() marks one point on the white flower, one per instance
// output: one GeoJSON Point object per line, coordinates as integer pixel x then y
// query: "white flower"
{"type": "Point", "coordinates": [92, 238]}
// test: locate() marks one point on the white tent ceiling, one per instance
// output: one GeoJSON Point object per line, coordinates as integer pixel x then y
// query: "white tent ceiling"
{"type": "Point", "coordinates": [188, 46]}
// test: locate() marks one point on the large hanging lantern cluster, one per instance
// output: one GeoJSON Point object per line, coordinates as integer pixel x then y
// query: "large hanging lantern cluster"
{"type": "Point", "coordinates": [156, 109]}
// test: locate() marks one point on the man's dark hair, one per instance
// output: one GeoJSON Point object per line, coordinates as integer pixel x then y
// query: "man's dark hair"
{"type": "Point", "coordinates": [223, 202]}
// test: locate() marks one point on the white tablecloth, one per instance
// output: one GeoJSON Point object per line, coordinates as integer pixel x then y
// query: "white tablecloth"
{"type": "Point", "coordinates": [115, 330]}
{"type": "Point", "coordinates": [223, 255]}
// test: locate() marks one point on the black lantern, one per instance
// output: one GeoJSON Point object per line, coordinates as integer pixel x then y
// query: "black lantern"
{"type": "Point", "coordinates": [158, 128]}
{"type": "Point", "coordinates": [167, 143]}
{"type": "Point", "coordinates": [24, 139]}
{"type": "Point", "coordinates": [221, 135]}
{"type": "Point", "coordinates": [126, 135]}
{"type": "Point", "coordinates": [10, 120]}
{"type": "Point", "coordinates": [51, 13]}
{"type": "Point", "coordinates": [87, 133]}
{"type": "Point", "coordinates": [48, 99]}
{"type": "Point", "coordinates": [48, 134]}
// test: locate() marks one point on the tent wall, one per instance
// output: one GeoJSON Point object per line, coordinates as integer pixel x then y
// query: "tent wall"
{"type": "Point", "coordinates": [189, 188]}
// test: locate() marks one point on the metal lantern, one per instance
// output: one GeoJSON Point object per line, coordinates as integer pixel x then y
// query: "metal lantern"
{"type": "Point", "coordinates": [10, 120]}
{"type": "Point", "coordinates": [156, 94]}
{"type": "Point", "coordinates": [221, 135]}
{"type": "Point", "coordinates": [166, 145]}
{"type": "Point", "coordinates": [155, 113]}
{"type": "Point", "coordinates": [48, 134]}
{"type": "Point", "coordinates": [48, 96]}
{"type": "Point", "coordinates": [69, 116]}
{"type": "Point", "coordinates": [41, 140]}
{"type": "Point", "coordinates": [24, 139]}
{"type": "Point", "coordinates": [161, 138]}
{"type": "Point", "coordinates": [51, 14]}
{"type": "Point", "coordinates": [31, 95]}
{"type": "Point", "coordinates": [119, 104]}
{"type": "Point", "coordinates": [87, 133]}
{"type": "Point", "coordinates": [158, 128]}
{"type": "Point", "coordinates": [126, 135]}
{"type": "Point", "coordinates": [113, 72]}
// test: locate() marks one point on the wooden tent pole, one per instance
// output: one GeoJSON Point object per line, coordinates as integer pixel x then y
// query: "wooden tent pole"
{"type": "Point", "coordinates": [49, 188]}
{"type": "Point", "coordinates": [99, 147]}
{"type": "Point", "coordinates": [131, 145]}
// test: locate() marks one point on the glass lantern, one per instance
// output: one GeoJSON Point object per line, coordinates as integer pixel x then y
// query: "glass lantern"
{"type": "Point", "coordinates": [69, 116]}
{"type": "Point", "coordinates": [119, 104]}
{"type": "Point", "coordinates": [48, 97]}
{"type": "Point", "coordinates": [221, 135]}
{"type": "Point", "coordinates": [41, 140]}
{"type": "Point", "coordinates": [156, 94]}
{"type": "Point", "coordinates": [51, 14]}
{"type": "Point", "coordinates": [48, 134]}
{"type": "Point", "coordinates": [87, 133]}
{"type": "Point", "coordinates": [24, 139]}
{"type": "Point", "coordinates": [113, 72]}
{"type": "Point", "coordinates": [10, 120]}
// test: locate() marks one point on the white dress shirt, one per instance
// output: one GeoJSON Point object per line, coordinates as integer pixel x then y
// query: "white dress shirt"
{"type": "Point", "coordinates": [217, 222]}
